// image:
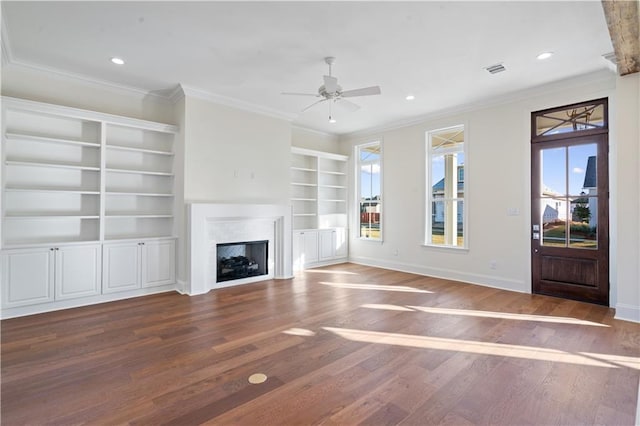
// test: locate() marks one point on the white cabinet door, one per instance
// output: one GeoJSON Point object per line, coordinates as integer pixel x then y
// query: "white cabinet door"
{"type": "Point", "coordinates": [158, 263]}
{"type": "Point", "coordinates": [305, 248]}
{"type": "Point", "coordinates": [120, 267]}
{"type": "Point", "coordinates": [77, 271]}
{"type": "Point", "coordinates": [340, 242]}
{"type": "Point", "coordinates": [333, 243]}
{"type": "Point", "coordinates": [27, 276]}
{"type": "Point", "coordinates": [310, 244]}
{"type": "Point", "coordinates": [327, 244]}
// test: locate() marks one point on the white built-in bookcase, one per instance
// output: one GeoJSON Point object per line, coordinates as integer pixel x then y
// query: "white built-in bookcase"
{"type": "Point", "coordinates": [318, 189]}
{"type": "Point", "coordinates": [71, 175]}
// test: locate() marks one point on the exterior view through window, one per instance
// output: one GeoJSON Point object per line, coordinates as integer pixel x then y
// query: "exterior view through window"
{"type": "Point", "coordinates": [445, 169]}
{"type": "Point", "coordinates": [369, 172]}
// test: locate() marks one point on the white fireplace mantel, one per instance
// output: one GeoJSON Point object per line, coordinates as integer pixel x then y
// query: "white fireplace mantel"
{"type": "Point", "coordinates": [204, 215]}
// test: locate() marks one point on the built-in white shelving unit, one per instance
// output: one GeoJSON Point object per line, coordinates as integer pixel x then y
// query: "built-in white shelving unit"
{"type": "Point", "coordinates": [319, 203]}
{"type": "Point", "coordinates": [71, 175]}
{"type": "Point", "coordinates": [72, 181]}
{"type": "Point", "coordinates": [318, 189]}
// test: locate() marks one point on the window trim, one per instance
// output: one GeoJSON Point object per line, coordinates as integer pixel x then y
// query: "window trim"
{"type": "Point", "coordinates": [357, 162]}
{"type": "Point", "coordinates": [428, 200]}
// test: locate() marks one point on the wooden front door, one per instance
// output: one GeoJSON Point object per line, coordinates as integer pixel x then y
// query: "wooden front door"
{"type": "Point", "coordinates": [570, 202]}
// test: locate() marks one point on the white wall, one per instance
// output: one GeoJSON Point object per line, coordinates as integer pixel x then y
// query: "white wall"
{"type": "Point", "coordinates": [28, 83]}
{"type": "Point", "coordinates": [235, 156]}
{"type": "Point", "coordinates": [311, 139]}
{"type": "Point", "coordinates": [626, 200]}
{"type": "Point", "coordinates": [497, 178]}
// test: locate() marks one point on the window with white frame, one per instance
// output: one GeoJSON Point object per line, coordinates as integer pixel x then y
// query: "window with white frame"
{"type": "Point", "coordinates": [369, 187]}
{"type": "Point", "coordinates": [446, 190]}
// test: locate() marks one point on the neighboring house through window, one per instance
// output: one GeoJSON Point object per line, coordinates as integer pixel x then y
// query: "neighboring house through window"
{"type": "Point", "coordinates": [445, 167]}
{"type": "Point", "coordinates": [369, 187]}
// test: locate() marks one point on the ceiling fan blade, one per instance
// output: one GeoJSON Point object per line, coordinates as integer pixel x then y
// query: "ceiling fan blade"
{"type": "Point", "coordinates": [348, 105]}
{"type": "Point", "coordinates": [330, 84]}
{"type": "Point", "coordinates": [315, 103]}
{"type": "Point", "coordinates": [300, 94]}
{"type": "Point", "coordinates": [365, 91]}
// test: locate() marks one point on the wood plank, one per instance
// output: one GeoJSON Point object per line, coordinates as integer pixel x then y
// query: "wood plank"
{"type": "Point", "coordinates": [623, 21]}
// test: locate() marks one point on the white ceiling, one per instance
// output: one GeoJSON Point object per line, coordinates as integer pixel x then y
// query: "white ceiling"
{"type": "Point", "coordinates": [253, 51]}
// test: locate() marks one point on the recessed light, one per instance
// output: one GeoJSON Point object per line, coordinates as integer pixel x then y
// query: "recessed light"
{"type": "Point", "coordinates": [117, 61]}
{"type": "Point", "coordinates": [544, 55]}
{"type": "Point", "coordinates": [410, 97]}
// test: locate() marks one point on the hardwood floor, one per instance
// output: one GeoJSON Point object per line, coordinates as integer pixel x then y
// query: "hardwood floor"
{"type": "Point", "coordinates": [345, 344]}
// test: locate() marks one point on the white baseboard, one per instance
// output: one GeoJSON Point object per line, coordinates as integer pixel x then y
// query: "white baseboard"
{"type": "Point", "coordinates": [449, 274]}
{"type": "Point", "coordinates": [21, 311]}
{"type": "Point", "coordinates": [324, 263]}
{"type": "Point", "coordinates": [180, 287]}
{"type": "Point", "coordinates": [627, 312]}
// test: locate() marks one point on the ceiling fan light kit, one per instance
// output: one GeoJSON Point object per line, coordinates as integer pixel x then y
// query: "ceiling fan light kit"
{"type": "Point", "coordinates": [332, 91]}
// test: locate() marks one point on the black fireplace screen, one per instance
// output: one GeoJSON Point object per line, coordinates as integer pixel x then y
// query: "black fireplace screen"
{"type": "Point", "coordinates": [242, 260]}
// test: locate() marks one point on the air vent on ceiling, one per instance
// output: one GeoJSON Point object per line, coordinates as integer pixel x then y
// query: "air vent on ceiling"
{"type": "Point", "coordinates": [495, 69]}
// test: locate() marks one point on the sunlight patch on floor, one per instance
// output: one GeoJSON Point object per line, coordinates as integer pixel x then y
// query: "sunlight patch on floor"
{"type": "Point", "coordinates": [487, 348]}
{"type": "Point", "coordinates": [506, 315]}
{"type": "Point", "coordinates": [329, 271]}
{"type": "Point", "coordinates": [400, 288]}
{"type": "Point", "coordinates": [484, 314]}
{"type": "Point", "coordinates": [299, 332]}
{"type": "Point", "coordinates": [387, 307]}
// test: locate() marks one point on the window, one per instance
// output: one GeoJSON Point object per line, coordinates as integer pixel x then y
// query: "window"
{"type": "Point", "coordinates": [445, 168]}
{"type": "Point", "coordinates": [369, 177]}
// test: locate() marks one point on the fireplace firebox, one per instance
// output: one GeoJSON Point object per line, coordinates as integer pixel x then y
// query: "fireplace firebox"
{"type": "Point", "coordinates": [242, 260]}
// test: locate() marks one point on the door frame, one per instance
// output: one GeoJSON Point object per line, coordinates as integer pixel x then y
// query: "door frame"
{"type": "Point", "coordinates": [601, 293]}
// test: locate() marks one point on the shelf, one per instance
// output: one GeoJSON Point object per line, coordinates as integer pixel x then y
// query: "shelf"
{"type": "Point", "coordinates": [21, 136]}
{"type": "Point", "coordinates": [327, 172]}
{"type": "Point", "coordinates": [303, 184]}
{"type": "Point", "coordinates": [138, 172]}
{"type": "Point", "coordinates": [304, 199]}
{"type": "Point", "coordinates": [139, 194]}
{"type": "Point", "coordinates": [54, 190]}
{"type": "Point", "coordinates": [334, 201]}
{"type": "Point", "coordinates": [53, 165]}
{"type": "Point", "coordinates": [129, 237]}
{"type": "Point", "coordinates": [142, 150]}
{"type": "Point", "coordinates": [303, 169]}
{"type": "Point", "coordinates": [39, 242]}
{"type": "Point", "coordinates": [303, 214]}
{"type": "Point", "coordinates": [333, 186]}
{"type": "Point", "coordinates": [137, 215]}
{"type": "Point", "coordinates": [48, 216]}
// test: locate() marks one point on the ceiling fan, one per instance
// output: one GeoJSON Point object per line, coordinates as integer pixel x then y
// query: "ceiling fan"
{"type": "Point", "coordinates": [332, 91]}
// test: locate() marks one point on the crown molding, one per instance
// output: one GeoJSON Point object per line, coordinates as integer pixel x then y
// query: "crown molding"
{"type": "Point", "coordinates": [315, 131]}
{"type": "Point", "coordinates": [235, 103]}
{"type": "Point", "coordinates": [109, 85]}
{"type": "Point", "coordinates": [520, 95]}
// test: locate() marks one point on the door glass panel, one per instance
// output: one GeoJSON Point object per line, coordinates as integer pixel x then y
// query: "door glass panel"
{"type": "Point", "coordinates": [582, 169]}
{"type": "Point", "coordinates": [554, 221]}
{"type": "Point", "coordinates": [460, 221]}
{"type": "Point", "coordinates": [554, 175]}
{"type": "Point", "coordinates": [583, 232]}
{"type": "Point", "coordinates": [571, 120]}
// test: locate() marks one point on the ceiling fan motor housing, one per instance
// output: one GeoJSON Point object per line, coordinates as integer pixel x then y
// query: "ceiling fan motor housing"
{"type": "Point", "coordinates": [322, 91]}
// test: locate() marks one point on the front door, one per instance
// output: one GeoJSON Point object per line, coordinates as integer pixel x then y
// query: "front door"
{"type": "Point", "coordinates": [570, 202]}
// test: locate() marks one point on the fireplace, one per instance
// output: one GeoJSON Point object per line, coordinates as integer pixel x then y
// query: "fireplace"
{"type": "Point", "coordinates": [212, 225]}
{"type": "Point", "coordinates": [242, 260]}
